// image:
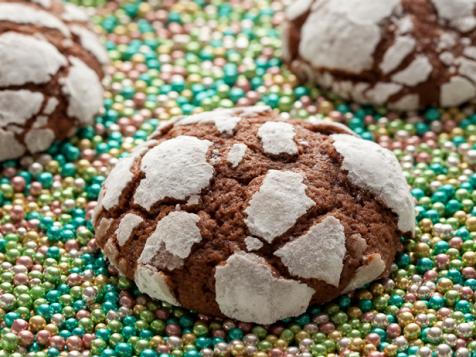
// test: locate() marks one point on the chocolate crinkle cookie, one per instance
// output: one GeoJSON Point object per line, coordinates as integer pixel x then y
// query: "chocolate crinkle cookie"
{"type": "Point", "coordinates": [242, 214]}
{"type": "Point", "coordinates": [405, 54]}
{"type": "Point", "coordinates": [51, 65]}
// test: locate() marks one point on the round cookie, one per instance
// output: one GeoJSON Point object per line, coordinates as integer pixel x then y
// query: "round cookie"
{"type": "Point", "coordinates": [239, 213]}
{"type": "Point", "coordinates": [404, 54]}
{"type": "Point", "coordinates": [51, 65]}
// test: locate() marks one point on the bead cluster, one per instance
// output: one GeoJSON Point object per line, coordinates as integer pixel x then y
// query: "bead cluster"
{"type": "Point", "coordinates": [58, 295]}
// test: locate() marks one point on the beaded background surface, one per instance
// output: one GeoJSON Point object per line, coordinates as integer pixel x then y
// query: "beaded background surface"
{"type": "Point", "coordinates": [58, 295]}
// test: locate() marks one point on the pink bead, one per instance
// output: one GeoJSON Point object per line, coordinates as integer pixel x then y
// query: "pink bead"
{"type": "Point", "coordinates": [26, 338]}
{"type": "Point", "coordinates": [246, 327]}
{"type": "Point", "coordinates": [369, 316]}
{"type": "Point", "coordinates": [469, 272]}
{"type": "Point", "coordinates": [161, 314]}
{"type": "Point", "coordinates": [442, 260]}
{"type": "Point", "coordinates": [35, 188]}
{"type": "Point", "coordinates": [277, 330]}
{"type": "Point", "coordinates": [57, 342]}
{"type": "Point", "coordinates": [219, 333]}
{"type": "Point", "coordinates": [19, 324]}
{"type": "Point", "coordinates": [174, 330]}
{"type": "Point", "coordinates": [18, 183]}
{"type": "Point", "coordinates": [82, 313]}
{"type": "Point", "coordinates": [373, 338]}
{"type": "Point", "coordinates": [43, 336]}
{"type": "Point", "coordinates": [74, 343]}
{"type": "Point", "coordinates": [87, 339]}
{"type": "Point", "coordinates": [9, 172]}
{"type": "Point", "coordinates": [25, 261]}
{"type": "Point", "coordinates": [20, 279]}
{"type": "Point", "coordinates": [456, 242]}
{"type": "Point", "coordinates": [394, 330]}
{"type": "Point", "coordinates": [126, 301]}
{"type": "Point", "coordinates": [430, 275]}
{"type": "Point", "coordinates": [444, 312]}
{"type": "Point", "coordinates": [327, 327]}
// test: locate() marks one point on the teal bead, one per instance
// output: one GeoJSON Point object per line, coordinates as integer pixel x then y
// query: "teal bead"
{"type": "Point", "coordinates": [396, 300]}
{"type": "Point", "coordinates": [192, 353]}
{"type": "Point", "coordinates": [235, 334]}
{"type": "Point", "coordinates": [108, 353]}
{"type": "Point", "coordinates": [421, 128]}
{"type": "Point", "coordinates": [303, 320]}
{"type": "Point", "coordinates": [344, 302]}
{"type": "Point", "coordinates": [123, 349]}
{"type": "Point", "coordinates": [53, 352]}
{"type": "Point", "coordinates": [381, 332]}
{"type": "Point", "coordinates": [203, 342]}
{"type": "Point", "coordinates": [432, 114]}
{"type": "Point", "coordinates": [103, 334]}
{"type": "Point", "coordinates": [471, 283]}
{"type": "Point", "coordinates": [452, 206]}
{"type": "Point", "coordinates": [424, 264]}
{"type": "Point", "coordinates": [455, 276]}
{"type": "Point", "coordinates": [441, 247]}
{"type": "Point", "coordinates": [436, 302]}
{"type": "Point", "coordinates": [68, 170]}
{"type": "Point", "coordinates": [463, 306]}
{"type": "Point", "coordinates": [365, 305]}
{"type": "Point", "coordinates": [148, 353]}
{"type": "Point", "coordinates": [46, 179]}
{"type": "Point", "coordinates": [10, 317]}
{"type": "Point", "coordinates": [129, 331]}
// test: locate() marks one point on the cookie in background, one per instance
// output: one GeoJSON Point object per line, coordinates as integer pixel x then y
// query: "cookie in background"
{"type": "Point", "coordinates": [51, 66]}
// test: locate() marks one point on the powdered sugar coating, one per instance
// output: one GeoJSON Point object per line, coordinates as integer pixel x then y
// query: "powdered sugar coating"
{"type": "Point", "coordinates": [119, 177]}
{"type": "Point", "coordinates": [373, 267]}
{"type": "Point", "coordinates": [127, 224]}
{"type": "Point", "coordinates": [247, 290]}
{"type": "Point", "coordinates": [253, 243]}
{"type": "Point", "coordinates": [50, 105]}
{"type": "Point", "coordinates": [9, 145]}
{"type": "Point", "coordinates": [279, 202]}
{"type": "Point", "coordinates": [16, 52]}
{"type": "Point", "coordinates": [154, 283]}
{"type": "Point", "coordinates": [298, 8]}
{"type": "Point", "coordinates": [278, 138]}
{"type": "Point", "coordinates": [84, 90]}
{"type": "Point", "coordinates": [90, 42]}
{"type": "Point", "coordinates": [459, 13]}
{"type": "Point", "coordinates": [329, 127]}
{"type": "Point", "coordinates": [402, 47]}
{"type": "Point", "coordinates": [37, 140]}
{"type": "Point", "coordinates": [17, 106]}
{"type": "Point", "coordinates": [225, 120]}
{"type": "Point", "coordinates": [178, 231]}
{"type": "Point", "coordinates": [368, 165]}
{"type": "Point", "coordinates": [74, 13]}
{"type": "Point", "coordinates": [44, 3]}
{"type": "Point", "coordinates": [176, 168]}
{"type": "Point", "coordinates": [236, 154]}
{"type": "Point", "coordinates": [317, 254]}
{"type": "Point", "coordinates": [457, 91]}
{"type": "Point", "coordinates": [416, 72]}
{"type": "Point", "coordinates": [23, 14]}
